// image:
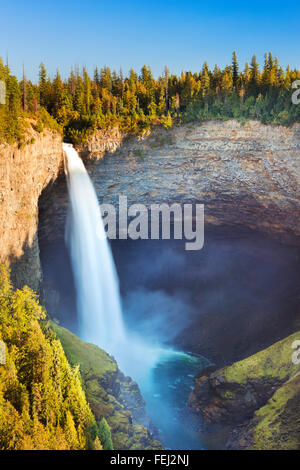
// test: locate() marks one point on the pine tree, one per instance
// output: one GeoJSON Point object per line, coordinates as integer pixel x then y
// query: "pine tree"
{"type": "Point", "coordinates": [105, 435]}
{"type": "Point", "coordinates": [205, 78]}
{"type": "Point", "coordinates": [166, 82]}
{"type": "Point", "coordinates": [254, 76]}
{"type": "Point", "coordinates": [97, 444]}
{"type": "Point", "coordinates": [24, 90]}
{"type": "Point", "coordinates": [42, 403]}
{"type": "Point", "coordinates": [235, 70]}
{"type": "Point", "coordinates": [43, 85]}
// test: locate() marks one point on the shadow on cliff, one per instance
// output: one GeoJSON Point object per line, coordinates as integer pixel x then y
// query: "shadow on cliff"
{"type": "Point", "coordinates": [26, 268]}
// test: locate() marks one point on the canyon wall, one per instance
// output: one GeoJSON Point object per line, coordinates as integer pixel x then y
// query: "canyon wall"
{"type": "Point", "coordinates": [101, 142]}
{"type": "Point", "coordinates": [244, 174]}
{"type": "Point", "coordinates": [24, 173]}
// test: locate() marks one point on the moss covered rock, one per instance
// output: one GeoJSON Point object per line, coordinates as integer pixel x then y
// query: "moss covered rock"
{"type": "Point", "coordinates": [259, 396]}
{"type": "Point", "coordinates": [277, 424]}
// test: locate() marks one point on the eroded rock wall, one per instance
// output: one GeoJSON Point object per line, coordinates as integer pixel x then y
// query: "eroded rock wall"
{"type": "Point", "coordinates": [24, 173]}
{"type": "Point", "coordinates": [101, 142]}
{"type": "Point", "coordinates": [244, 174]}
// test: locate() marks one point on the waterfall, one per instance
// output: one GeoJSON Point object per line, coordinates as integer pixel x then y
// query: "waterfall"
{"type": "Point", "coordinates": [96, 280]}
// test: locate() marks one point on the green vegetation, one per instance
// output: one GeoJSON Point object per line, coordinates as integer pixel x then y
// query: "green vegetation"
{"type": "Point", "coordinates": [105, 435]}
{"type": "Point", "coordinates": [42, 403]}
{"type": "Point", "coordinates": [104, 386]}
{"type": "Point", "coordinates": [50, 380]}
{"type": "Point", "coordinates": [88, 356]}
{"type": "Point", "coordinates": [274, 362]}
{"type": "Point", "coordinates": [276, 426]}
{"type": "Point", "coordinates": [21, 109]}
{"type": "Point", "coordinates": [11, 126]}
{"type": "Point", "coordinates": [268, 378]}
{"type": "Point", "coordinates": [81, 104]}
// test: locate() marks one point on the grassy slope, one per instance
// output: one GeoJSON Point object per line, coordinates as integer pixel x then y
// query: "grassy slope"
{"type": "Point", "coordinates": [277, 424]}
{"type": "Point", "coordinates": [273, 362]}
{"type": "Point", "coordinates": [88, 356]}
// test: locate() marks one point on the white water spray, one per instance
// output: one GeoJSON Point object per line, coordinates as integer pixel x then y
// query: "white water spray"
{"type": "Point", "coordinates": [96, 280]}
{"type": "Point", "coordinates": [100, 316]}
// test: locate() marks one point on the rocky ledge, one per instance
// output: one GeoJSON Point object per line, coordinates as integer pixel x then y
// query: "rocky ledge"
{"type": "Point", "coordinates": [101, 142]}
{"type": "Point", "coordinates": [258, 397]}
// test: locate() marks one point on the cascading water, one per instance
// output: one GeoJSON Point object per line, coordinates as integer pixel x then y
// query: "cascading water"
{"type": "Point", "coordinates": [96, 280]}
{"type": "Point", "coordinates": [101, 320]}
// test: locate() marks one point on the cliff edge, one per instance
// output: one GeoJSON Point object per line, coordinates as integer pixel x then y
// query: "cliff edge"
{"type": "Point", "coordinates": [24, 173]}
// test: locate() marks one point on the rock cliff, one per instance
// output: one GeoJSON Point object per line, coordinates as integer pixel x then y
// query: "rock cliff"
{"type": "Point", "coordinates": [244, 174]}
{"type": "Point", "coordinates": [24, 173]}
{"type": "Point", "coordinates": [101, 142]}
{"type": "Point", "coordinates": [247, 175]}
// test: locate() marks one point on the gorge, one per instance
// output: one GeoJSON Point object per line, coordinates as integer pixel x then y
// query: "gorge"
{"type": "Point", "coordinates": [247, 177]}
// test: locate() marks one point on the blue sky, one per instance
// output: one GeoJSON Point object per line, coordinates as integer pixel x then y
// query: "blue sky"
{"type": "Point", "coordinates": [180, 34]}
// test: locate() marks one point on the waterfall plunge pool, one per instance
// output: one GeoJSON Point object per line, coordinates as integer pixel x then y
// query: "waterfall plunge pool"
{"type": "Point", "coordinates": [225, 302]}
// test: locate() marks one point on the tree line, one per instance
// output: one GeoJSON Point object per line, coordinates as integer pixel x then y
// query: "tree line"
{"type": "Point", "coordinates": [80, 104]}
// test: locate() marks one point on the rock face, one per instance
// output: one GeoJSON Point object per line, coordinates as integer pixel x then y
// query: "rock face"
{"type": "Point", "coordinates": [24, 174]}
{"type": "Point", "coordinates": [258, 396]}
{"type": "Point", "coordinates": [247, 175]}
{"type": "Point", "coordinates": [100, 143]}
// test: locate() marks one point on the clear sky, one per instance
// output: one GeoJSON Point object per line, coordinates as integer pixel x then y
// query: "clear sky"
{"type": "Point", "coordinates": [124, 33]}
